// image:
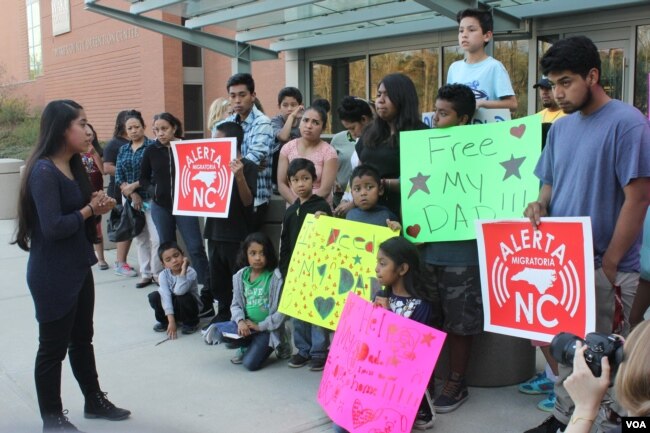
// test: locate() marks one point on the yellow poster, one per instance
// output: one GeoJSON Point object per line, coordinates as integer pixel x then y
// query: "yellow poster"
{"type": "Point", "coordinates": [332, 257]}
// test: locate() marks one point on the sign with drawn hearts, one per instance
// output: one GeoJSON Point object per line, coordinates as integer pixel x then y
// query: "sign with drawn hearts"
{"type": "Point", "coordinates": [332, 258]}
{"type": "Point", "coordinates": [378, 368]}
{"type": "Point", "coordinates": [451, 177]}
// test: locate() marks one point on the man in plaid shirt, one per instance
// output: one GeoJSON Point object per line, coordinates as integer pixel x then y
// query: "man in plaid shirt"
{"type": "Point", "coordinates": [258, 145]}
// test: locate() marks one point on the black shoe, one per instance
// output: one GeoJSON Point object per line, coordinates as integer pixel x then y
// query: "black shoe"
{"type": "Point", "coordinates": [298, 361]}
{"type": "Point", "coordinates": [58, 423]}
{"type": "Point", "coordinates": [189, 329]}
{"type": "Point", "coordinates": [144, 283]}
{"type": "Point", "coordinates": [317, 364]}
{"type": "Point", "coordinates": [550, 425]}
{"type": "Point", "coordinates": [98, 406]}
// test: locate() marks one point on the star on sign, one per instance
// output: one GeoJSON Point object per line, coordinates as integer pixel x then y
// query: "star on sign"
{"type": "Point", "coordinates": [357, 260]}
{"type": "Point", "coordinates": [512, 166]}
{"type": "Point", "coordinates": [419, 184]}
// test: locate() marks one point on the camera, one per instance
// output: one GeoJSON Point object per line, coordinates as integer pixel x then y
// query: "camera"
{"type": "Point", "coordinates": [599, 346]}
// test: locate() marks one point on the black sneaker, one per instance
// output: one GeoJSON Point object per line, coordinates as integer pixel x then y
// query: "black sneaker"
{"type": "Point", "coordinates": [298, 361]}
{"type": "Point", "coordinates": [98, 406]}
{"type": "Point", "coordinates": [452, 396]}
{"type": "Point", "coordinates": [58, 423]}
{"type": "Point", "coordinates": [207, 310]}
{"type": "Point", "coordinates": [159, 327]}
{"type": "Point", "coordinates": [550, 425]}
{"type": "Point", "coordinates": [317, 364]}
{"type": "Point", "coordinates": [189, 329]}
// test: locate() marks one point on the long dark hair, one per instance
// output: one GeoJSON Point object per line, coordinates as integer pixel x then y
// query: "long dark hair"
{"type": "Point", "coordinates": [96, 145]}
{"type": "Point", "coordinates": [401, 91]}
{"type": "Point", "coordinates": [55, 120]}
{"type": "Point", "coordinates": [401, 251]}
{"type": "Point", "coordinates": [269, 250]}
{"type": "Point", "coordinates": [120, 124]}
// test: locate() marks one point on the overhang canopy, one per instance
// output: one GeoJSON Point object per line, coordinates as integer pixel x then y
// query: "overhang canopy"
{"type": "Point", "coordinates": [297, 24]}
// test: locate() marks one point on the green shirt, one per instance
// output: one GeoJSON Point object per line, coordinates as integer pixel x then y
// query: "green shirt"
{"type": "Point", "coordinates": [256, 294]}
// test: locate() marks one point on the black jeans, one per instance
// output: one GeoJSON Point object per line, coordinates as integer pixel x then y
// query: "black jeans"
{"type": "Point", "coordinates": [222, 257]}
{"type": "Point", "coordinates": [186, 308]}
{"type": "Point", "coordinates": [72, 334]}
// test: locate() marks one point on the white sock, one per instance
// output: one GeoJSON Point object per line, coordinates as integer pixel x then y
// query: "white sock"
{"type": "Point", "coordinates": [549, 373]}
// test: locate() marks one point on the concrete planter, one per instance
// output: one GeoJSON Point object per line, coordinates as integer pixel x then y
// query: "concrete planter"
{"type": "Point", "coordinates": [10, 170]}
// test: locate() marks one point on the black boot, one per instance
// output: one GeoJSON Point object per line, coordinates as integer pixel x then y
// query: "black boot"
{"type": "Point", "coordinates": [58, 423]}
{"type": "Point", "coordinates": [98, 406]}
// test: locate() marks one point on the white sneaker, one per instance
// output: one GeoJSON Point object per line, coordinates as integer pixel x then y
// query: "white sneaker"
{"type": "Point", "coordinates": [124, 270]}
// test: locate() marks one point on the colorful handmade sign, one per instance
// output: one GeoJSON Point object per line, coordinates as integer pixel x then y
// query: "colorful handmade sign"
{"type": "Point", "coordinates": [537, 283]}
{"type": "Point", "coordinates": [203, 182]}
{"type": "Point", "coordinates": [453, 176]}
{"type": "Point", "coordinates": [378, 368]}
{"type": "Point", "coordinates": [332, 257]}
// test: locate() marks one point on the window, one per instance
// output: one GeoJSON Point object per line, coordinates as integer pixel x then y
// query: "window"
{"type": "Point", "coordinates": [34, 39]}
{"type": "Point", "coordinates": [514, 56]}
{"type": "Point", "coordinates": [193, 110]}
{"type": "Point", "coordinates": [642, 72]}
{"type": "Point", "coordinates": [421, 66]}
{"type": "Point", "coordinates": [333, 80]}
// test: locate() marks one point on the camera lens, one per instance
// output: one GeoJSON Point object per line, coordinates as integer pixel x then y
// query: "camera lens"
{"type": "Point", "coordinates": [563, 347]}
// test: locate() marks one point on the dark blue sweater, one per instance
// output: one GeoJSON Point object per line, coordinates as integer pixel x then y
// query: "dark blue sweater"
{"type": "Point", "coordinates": [60, 253]}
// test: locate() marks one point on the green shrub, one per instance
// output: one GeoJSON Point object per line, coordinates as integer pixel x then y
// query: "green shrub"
{"type": "Point", "coordinates": [18, 128]}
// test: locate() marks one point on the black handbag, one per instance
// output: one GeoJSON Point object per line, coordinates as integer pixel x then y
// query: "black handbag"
{"type": "Point", "coordinates": [125, 223]}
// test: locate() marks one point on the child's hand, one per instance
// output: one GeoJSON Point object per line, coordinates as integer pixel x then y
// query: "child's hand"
{"type": "Point", "coordinates": [297, 112]}
{"type": "Point", "coordinates": [237, 167]}
{"type": "Point", "coordinates": [242, 328]}
{"type": "Point", "coordinates": [380, 301]}
{"type": "Point", "coordinates": [319, 213]}
{"type": "Point", "coordinates": [343, 208]}
{"type": "Point", "coordinates": [394, 225]}
{"type": "Point", "coordinates": [252, 325]}
{"type": "Point", "coordinates": [186, 263]}
{"type": "Point", "coordinates": [171, 330]}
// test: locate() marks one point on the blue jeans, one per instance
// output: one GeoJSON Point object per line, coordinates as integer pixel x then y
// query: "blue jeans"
{"type": "Point", "coordinates": [256, 347]}
{"type": "Point", "coordinates": [166, 224]}
{"type": "Point", "coordinates": [311, 341]}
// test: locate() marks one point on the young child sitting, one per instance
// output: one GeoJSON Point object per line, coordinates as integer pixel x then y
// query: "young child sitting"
{"type": "Point", "coordinates": [177, 299]}
{"type": "Point", "coordinates": [366, 188]}
{"type": "Point", "coordinates": [311, 341]}
{"type": "Point", "coordinates": [255, 316]}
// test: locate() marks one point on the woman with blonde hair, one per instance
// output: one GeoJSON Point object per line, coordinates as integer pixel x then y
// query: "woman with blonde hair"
{"type": "Point", "coordinates": [632, 384]}
{"type": "Point", "coordinates": [219, 110]}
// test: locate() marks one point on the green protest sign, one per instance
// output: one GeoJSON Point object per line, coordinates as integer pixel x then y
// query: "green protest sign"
{"type": "Point", "coordinates": [452, 176]}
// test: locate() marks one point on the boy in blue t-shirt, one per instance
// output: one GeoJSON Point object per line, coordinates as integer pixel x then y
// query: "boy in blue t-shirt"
{"type": "Point", "coordinates": [485, 75]}
{"type": "Point", "coordinates": [451, 270]}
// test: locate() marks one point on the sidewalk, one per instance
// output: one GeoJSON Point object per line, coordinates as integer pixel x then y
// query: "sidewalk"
{"type": "Point", "coordinates": [185, 386]}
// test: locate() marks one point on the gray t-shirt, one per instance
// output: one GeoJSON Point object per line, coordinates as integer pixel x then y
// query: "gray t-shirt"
{"type": "Point", "coordinates": [588, 160]}
{"type": "Point", "coordinates": [377, 215]}
{"type": "Point", "coordinates": [344, 149]}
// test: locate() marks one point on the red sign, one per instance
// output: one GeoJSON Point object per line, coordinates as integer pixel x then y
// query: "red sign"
{"type": "Point", "coordinates": [203, 176]}
{"type": "Point", "coordinates": [537, 283]}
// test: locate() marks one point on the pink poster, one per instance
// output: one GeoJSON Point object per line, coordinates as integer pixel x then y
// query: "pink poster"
{"type": "Point", "coordinates": [378, 368]}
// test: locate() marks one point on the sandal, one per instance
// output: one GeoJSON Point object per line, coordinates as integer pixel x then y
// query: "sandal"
{"type": "Point", "coordinates": [144, 283]}
{"type": "Point", "coordinates": [102, 265]}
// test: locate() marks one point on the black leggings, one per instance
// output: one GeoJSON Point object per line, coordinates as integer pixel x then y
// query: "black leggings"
{"type": "Point", "coordinates": [72, 334]}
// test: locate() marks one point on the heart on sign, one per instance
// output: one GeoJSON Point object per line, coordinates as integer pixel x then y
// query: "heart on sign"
{"type": "Point", "coordinates": [413, 231]}
{"type": "Point", "coordinates": [324, 306]}
{"type": "Point", "coordinates": [361, 416]}
{"type": "Point", "coordinates": [518, 131]}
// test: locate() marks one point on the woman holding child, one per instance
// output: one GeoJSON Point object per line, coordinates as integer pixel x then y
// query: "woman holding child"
{"type": "Point", "coordinates": [397, 109]}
